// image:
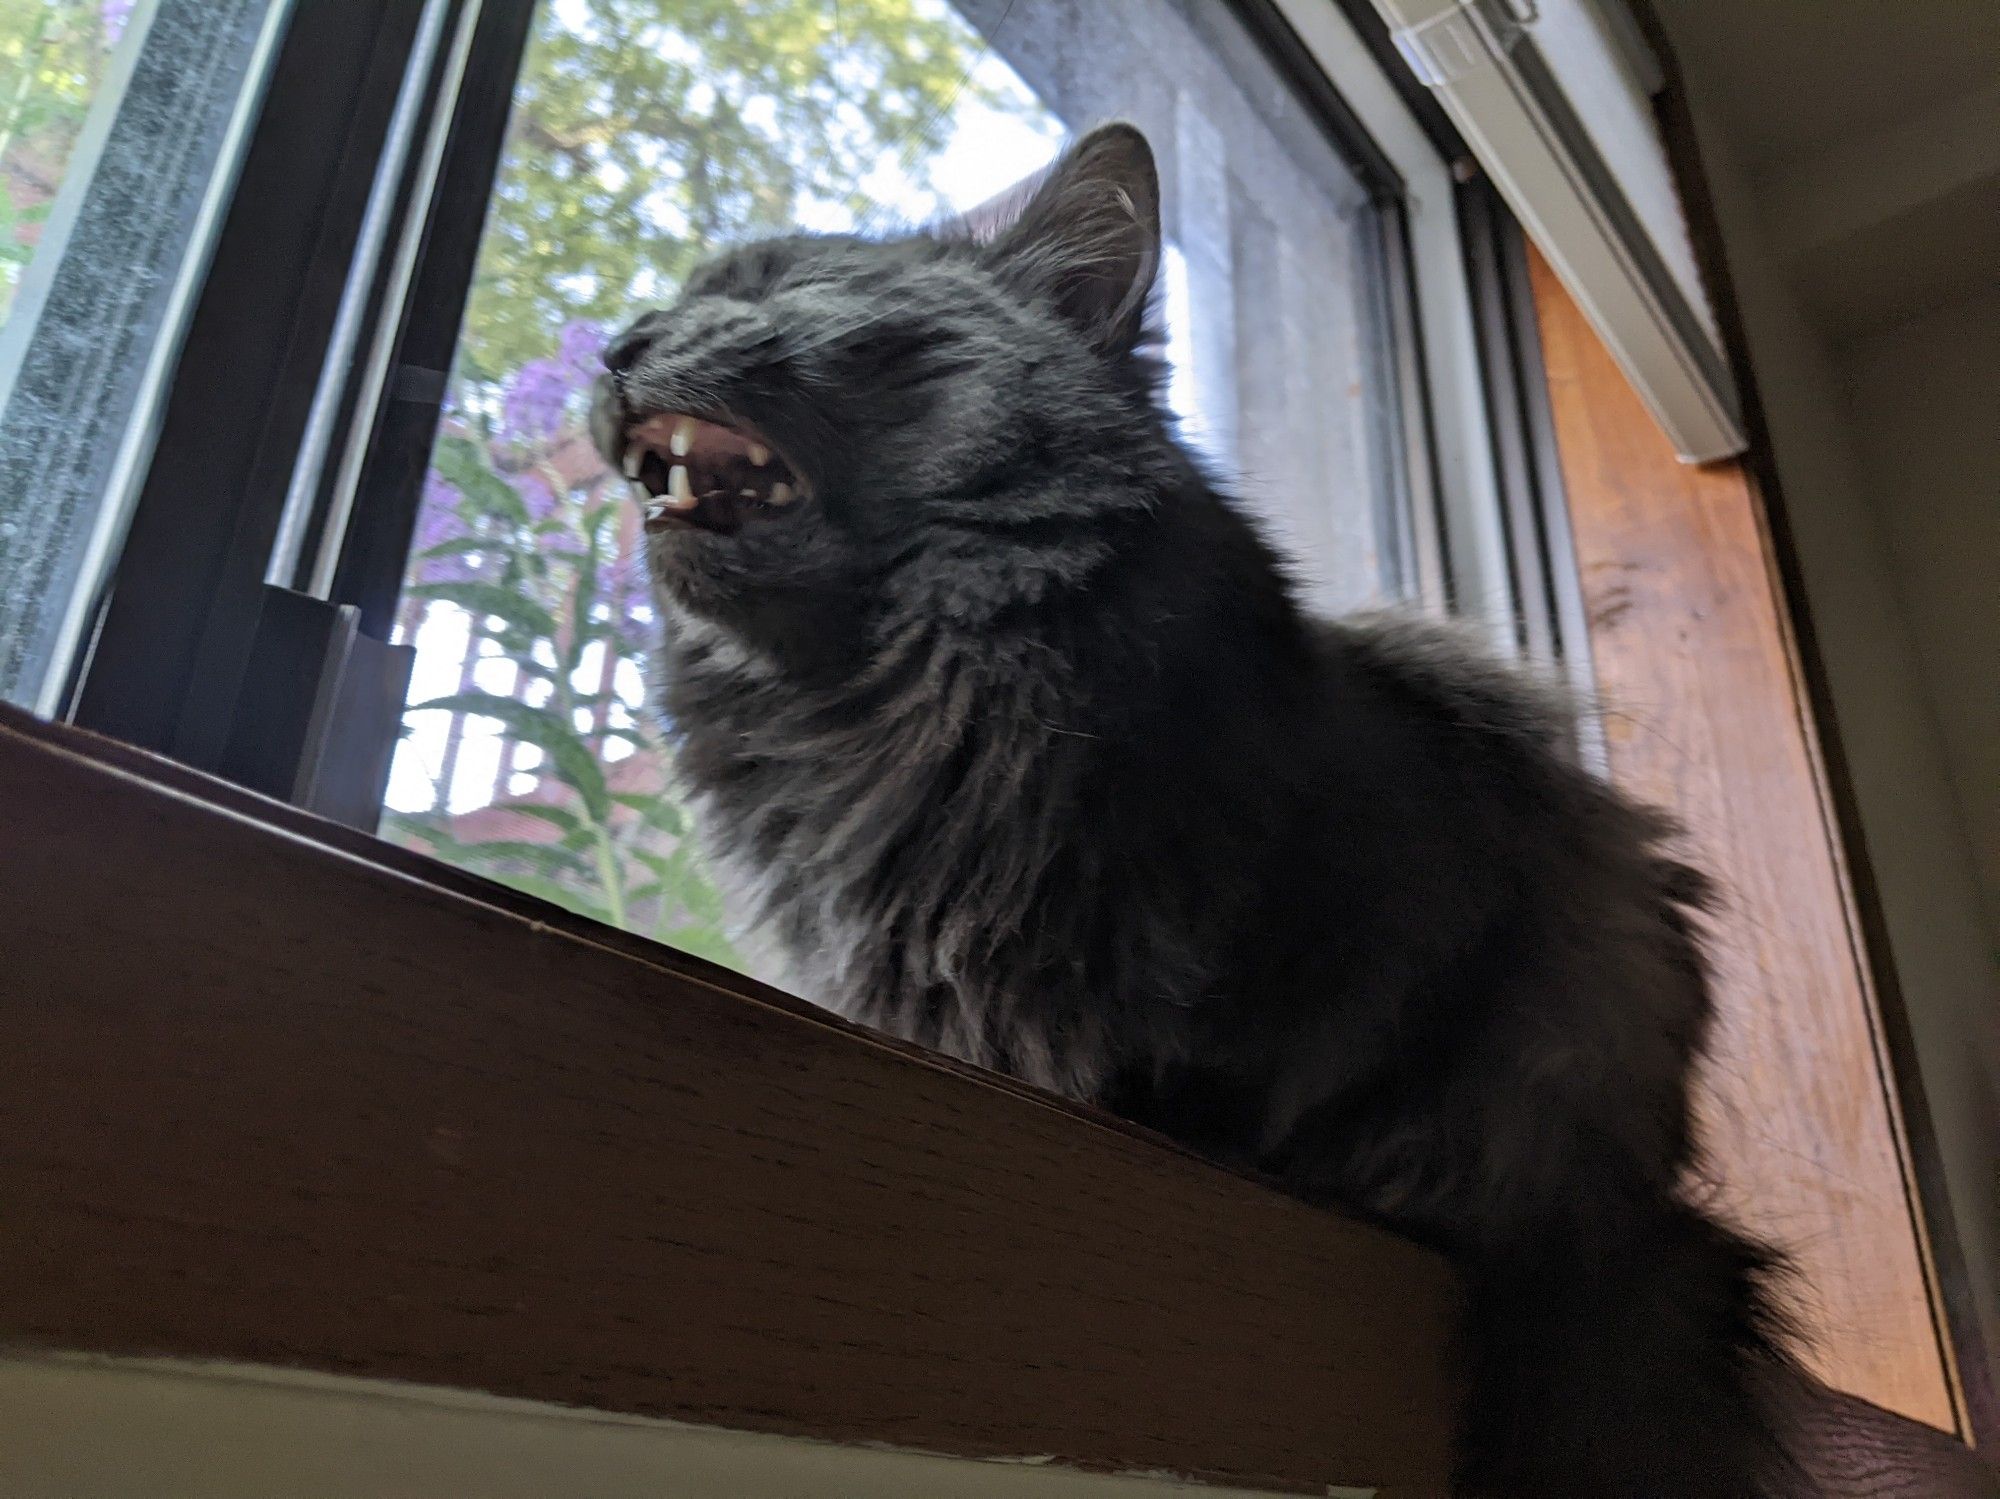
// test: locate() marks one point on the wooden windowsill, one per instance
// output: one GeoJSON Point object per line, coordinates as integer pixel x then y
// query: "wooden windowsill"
{"type": "Point", "coordinates": [280, 1094]}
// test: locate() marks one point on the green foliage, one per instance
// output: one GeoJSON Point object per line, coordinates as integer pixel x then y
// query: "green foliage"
{"type": "Point", "coordinates": [645, 131]}
{"type": "Point", "coordinates": [552, 733]}
{"type": "Point", "coordinates": [534, 589]}
{"type": "Point", "coordinates": [52, 56]}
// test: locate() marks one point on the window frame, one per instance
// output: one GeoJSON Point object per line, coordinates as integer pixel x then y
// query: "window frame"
{"type": "Point", "coordinates": [1439, 495]}
{"type": "Point", "coordinates": [175, 616]}
{"type": "Point", "coordinates": [178, 620]}
{"type": "Point", "coordinates": [136, 145]}
{"type": "Point", "coordinates": [1469, 570]}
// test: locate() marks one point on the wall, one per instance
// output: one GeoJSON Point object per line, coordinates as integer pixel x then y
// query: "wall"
{"type": "Point", "coordinates": [1925, 398]}
{"type": "Point", "coordinates": [158, 1429]}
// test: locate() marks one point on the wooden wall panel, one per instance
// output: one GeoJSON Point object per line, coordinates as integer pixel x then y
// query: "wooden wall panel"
{"type": "Point", "coordinates": [1696, 670]}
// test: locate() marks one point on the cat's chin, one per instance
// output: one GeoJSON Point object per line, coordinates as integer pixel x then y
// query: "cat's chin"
{"type": "Point", "coordinates": [717, 517]}
{"type": "Point", "coordinates": [701, 473]}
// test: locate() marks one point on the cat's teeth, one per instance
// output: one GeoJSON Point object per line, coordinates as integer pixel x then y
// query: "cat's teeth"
{"type": "Point", "coordinates": [759, 454]}
{"type": "Point", "coordinates": [680, 493]}
{"type": "Point", "coordinates": [634, 456]}
{"type": "Point", "coordinates": [781, 494]}
{"type": "Point", "coordinates": [682, 439]}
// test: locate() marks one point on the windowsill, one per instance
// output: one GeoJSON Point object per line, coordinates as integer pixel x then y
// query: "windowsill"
{"type": "Point", "coordinates": [282, 1094]}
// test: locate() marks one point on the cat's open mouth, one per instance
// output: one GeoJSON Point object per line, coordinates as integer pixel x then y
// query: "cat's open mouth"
{"type": "Point", "coordinates": [706, 473]}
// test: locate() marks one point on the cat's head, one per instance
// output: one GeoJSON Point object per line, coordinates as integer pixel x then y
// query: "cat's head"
{"type": "Point", "coordinates": [817, 413]}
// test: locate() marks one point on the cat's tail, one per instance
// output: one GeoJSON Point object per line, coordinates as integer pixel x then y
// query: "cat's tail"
{"type": "Point", "coordinates": [1643, 1365]}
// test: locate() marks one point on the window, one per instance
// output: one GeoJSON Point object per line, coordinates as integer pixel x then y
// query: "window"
{"type": "Point", "coordinates": [1271, 280]}
{"type": "Point", "coordinates": [120, 124]}
{"type": "Point", "coordinates": [646, 132]}
{"type": "Point", "coordinates": [493, 190]}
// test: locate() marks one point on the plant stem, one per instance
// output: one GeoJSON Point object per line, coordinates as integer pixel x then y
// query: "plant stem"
{"type": "Point", "coordinates": [609, 876]}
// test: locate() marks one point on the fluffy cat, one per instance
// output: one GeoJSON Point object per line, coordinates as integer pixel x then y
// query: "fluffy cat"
{"type": "Point", "coordinates": [1007, 727]}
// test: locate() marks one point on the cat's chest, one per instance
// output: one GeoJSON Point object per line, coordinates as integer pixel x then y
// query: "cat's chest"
{"type": "Point", "coordinates": [824, 815]}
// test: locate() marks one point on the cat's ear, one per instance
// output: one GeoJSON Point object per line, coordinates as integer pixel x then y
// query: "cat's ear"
{"type": "Point", "coordinates": [1089, 236]}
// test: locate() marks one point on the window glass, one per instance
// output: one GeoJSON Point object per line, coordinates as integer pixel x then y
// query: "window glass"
{"type": "Point", "coordinates": [646, 132]}
{"type": "Point", "coordinates": [119, 125]}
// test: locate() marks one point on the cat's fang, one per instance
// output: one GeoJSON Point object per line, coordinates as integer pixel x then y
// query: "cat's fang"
{"type": "Point", "coordinates": [683, 437]}
{"type": "Point", "coordinates": [758, 454]}
{"type": "Point", "coordinates": [680, 493]}
{"type": "Point", "coordinates": [634, 456]}
{"type": "Point", "coordinates": [781, 493]}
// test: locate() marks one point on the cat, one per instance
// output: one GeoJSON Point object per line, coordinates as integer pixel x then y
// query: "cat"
{"type": "Point", "coordinates": [1005, 726]}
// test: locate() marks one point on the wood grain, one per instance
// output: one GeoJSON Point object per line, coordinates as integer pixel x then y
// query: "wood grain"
{"type": "Point", "coordinates": [268, 1101]}
{"type": "Point", "coordinates": [1705, 717]}
{"type": "Point", "coordinates": [1851, 1448]}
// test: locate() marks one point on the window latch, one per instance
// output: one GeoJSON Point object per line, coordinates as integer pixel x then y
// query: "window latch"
{"type": "Point", "coordinates": [1463, 37]}
{"type": "Point", "coordinates": [320, 709]}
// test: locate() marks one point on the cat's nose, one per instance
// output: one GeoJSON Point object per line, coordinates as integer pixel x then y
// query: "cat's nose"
{"type": "Point", "coordinates": [629, 347]}
{"type": "Point", "coordinates": [611, 404]}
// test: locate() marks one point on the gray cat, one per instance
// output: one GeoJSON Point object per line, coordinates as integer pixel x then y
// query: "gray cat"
{"type": "Point", "coordinates": [1008, 728]}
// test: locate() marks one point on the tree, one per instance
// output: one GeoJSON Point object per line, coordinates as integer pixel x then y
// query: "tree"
{"type": "Point", "coordinates": [644, 133]}
{"type": "Point", "coordinates": [647, 131]}
{"type": "Point", "coordinates": [52, 55]}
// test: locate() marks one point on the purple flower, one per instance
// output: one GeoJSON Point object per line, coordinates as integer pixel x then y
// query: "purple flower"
{"type": "Point", "coordinates": [437, 514]}
{"type": "Point", "coordinates": [539, 392]}
{"type": "Point", "coordinates": [582, 349]}
{"type": "Point", "coordinates": [533, 404]}
{"type": "Point", "coordinates": [439, 520]}
{"type": "Point", "coordinates": [625, 592]}
{"type": "Point", "coordinates": [114, 14]}
{"type": "Point", "coordinates": [536, 496]}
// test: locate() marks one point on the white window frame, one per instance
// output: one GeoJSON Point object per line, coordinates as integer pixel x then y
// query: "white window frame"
{"type": "Point", "coordinates": [1472, 552]}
